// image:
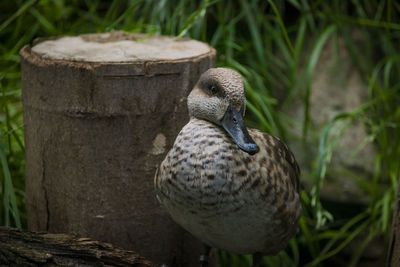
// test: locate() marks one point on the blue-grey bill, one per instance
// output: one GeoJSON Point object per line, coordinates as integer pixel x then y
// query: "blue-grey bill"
{"type": "Point", "coordinates": [233, 124]}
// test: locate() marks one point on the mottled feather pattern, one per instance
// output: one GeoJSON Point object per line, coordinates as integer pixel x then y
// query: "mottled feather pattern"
{"type": "Point", "coordinates": [206, 178]}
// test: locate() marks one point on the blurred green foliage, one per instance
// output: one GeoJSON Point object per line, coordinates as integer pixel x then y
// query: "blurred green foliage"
{"type": "Point", "coordinates": [275, 45]}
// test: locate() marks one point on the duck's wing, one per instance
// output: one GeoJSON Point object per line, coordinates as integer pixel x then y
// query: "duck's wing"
{"type": "Point", "coordinates": [279, 148]}
{"type": "Point", "coordinates": [276, 154]}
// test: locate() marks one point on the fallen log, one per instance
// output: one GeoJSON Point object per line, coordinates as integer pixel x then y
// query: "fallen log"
{"type": "Point", "coordinates": [23, 248]}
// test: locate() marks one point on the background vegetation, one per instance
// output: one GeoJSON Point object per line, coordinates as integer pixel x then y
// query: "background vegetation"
{"type": "Point", "coordinates": [275, 45]}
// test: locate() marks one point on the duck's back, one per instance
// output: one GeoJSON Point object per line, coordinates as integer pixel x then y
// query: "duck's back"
{"type": "Point", "coordinates": [227, 198]}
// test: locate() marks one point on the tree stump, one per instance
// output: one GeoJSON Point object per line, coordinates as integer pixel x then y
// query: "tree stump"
{"type": "Point", "coordinates": [100, 113]}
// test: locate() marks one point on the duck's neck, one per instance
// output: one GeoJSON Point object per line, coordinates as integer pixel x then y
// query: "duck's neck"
{"type": "Point", "coordinates": [196, 120]}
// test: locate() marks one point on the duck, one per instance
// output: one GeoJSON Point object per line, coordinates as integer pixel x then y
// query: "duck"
{"type": "Point", "coordinates": [233, 188]}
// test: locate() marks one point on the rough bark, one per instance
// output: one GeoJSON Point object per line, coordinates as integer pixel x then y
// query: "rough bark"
{"type": "Point", "coordinates": [43, 249]}
{"type": "Point", "coordinates": [95, 131]}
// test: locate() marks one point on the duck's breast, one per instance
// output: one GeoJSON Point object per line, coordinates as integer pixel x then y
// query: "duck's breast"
{"type": "Point", "coordinates": [223, 195]}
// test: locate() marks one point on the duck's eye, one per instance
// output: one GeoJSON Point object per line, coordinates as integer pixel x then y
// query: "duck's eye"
{"type": "Point", "coordinates": [213, 89]}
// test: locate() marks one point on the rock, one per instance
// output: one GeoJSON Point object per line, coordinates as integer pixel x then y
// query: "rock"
{"type": "Point", "coordinates": [337, 87]}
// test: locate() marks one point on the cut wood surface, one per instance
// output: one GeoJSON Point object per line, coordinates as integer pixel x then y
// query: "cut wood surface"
{"type": "Point", "coordinates": [43, 249]}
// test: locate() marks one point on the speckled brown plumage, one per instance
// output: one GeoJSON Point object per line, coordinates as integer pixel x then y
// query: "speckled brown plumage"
{"type": "Point", "coordinates": [226, 197]}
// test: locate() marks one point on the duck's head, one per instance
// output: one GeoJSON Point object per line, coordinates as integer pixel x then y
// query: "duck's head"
{"type": "Point", "coordinates": [219, 97]}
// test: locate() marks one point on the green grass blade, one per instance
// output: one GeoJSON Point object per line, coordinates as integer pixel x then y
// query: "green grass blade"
{"type": "Point", "coordinates": [9, 199]}
{"type": "Point", "coordinates": [128, 12]}
{"type": "Point", "coordinates": [43, 21]}
{"type": "Point", "coordinates": [316, 51]}
{"type": "Point", "coordinates": [283, 28]}
{"type": "Point", "coordinates": [254, 30]}
{"type": "Point", "coordinates": [18, 13]}
{"type": "Point", "coordinates": [199, 13]}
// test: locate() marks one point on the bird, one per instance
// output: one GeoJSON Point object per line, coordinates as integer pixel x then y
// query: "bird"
{"type": "Point", "coordinates": [233, 188]}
